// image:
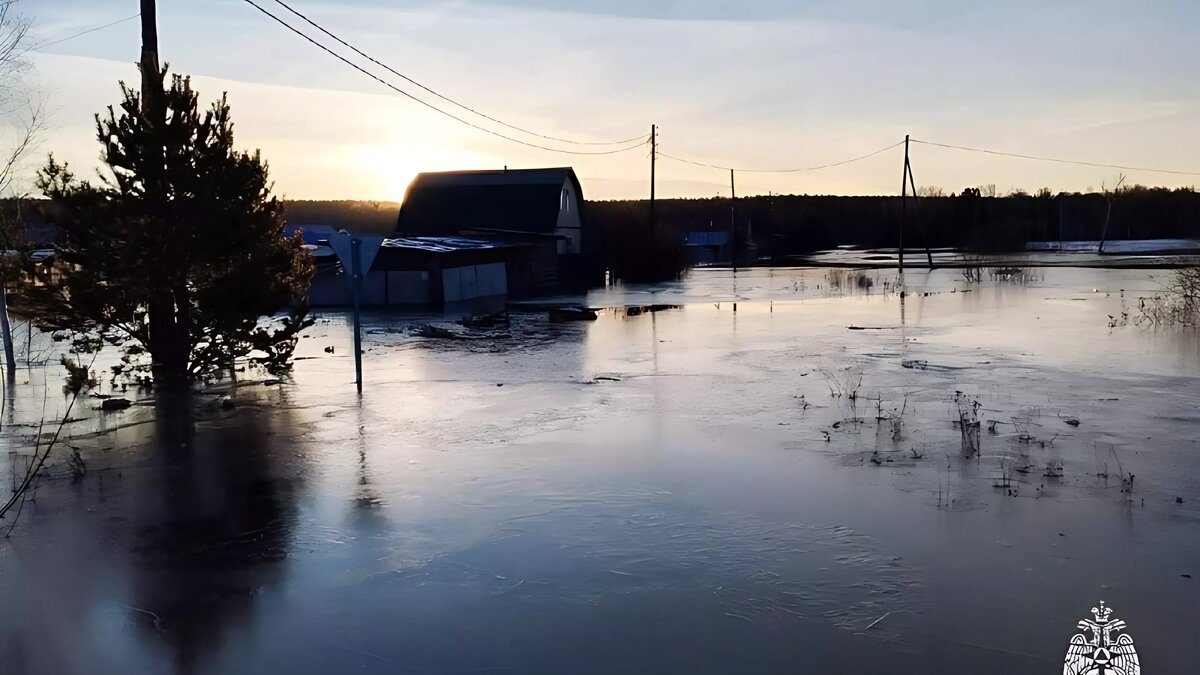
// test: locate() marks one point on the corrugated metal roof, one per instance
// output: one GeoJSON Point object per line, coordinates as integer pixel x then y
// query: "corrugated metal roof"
{"type": "Point", "coordinates": [320, 251]}
{"type": "Point", "coordinates": [426, 244]}
{"type": "Point", "coordinates": [441, 244]}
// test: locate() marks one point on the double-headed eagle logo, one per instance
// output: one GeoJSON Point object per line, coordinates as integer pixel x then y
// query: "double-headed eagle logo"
{"type": "Point", "coordinates": [1102, 647]}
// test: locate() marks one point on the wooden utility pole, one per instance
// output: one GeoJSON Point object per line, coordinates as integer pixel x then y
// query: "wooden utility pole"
{"type": "Point", "coordinates": [906, 180]}
{"type": "Point", "coordinates": [924, 235]}
{"type": "Point", "coordinates": [1060, 199]}
{"type": "Point", "coordinates": [733, 249]}
{"type": "Point", "coordinates": [169, 341]}
{"type": "Point", "coordinates": [151, 75]}
{"type": "Point", "coordinates": [903, 202]}
{"type": "Point", "coordinates": [653, 158]}
{"type": "Point", "coordinates": [1108, 197]}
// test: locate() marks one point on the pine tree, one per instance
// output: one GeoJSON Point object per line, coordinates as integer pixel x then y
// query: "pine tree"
{"type": "Point", "coordinates": [184, 262]}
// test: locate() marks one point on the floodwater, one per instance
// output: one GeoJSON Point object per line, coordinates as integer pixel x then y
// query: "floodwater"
{"type": "Point", "coordinates": [678, 486]}
{"type": "Point", "coordinates": [1122, 253]}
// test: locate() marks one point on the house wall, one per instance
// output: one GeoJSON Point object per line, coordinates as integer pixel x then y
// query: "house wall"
{"type": "Point", "coordinates": [379, 288]}
{"type": "Point", "coordinates": [328, 290]}
{"type": "Point", "coordinates": [408, 288]}
{"type": "Point", "coordinates": [374, 289]}
{"type": "Point", "coordinates": [405, 278]}
{"type": "Point", "coordinates": [474, 281]}
{"type": "Point", "coordinates": [569, 222]}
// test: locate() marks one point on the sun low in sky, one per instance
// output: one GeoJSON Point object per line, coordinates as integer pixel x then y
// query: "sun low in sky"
{"type": "Point", "coordinates": [754, 85]}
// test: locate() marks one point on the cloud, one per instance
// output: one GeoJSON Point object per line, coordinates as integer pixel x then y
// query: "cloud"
{"type": "Point", "coordinates": [742, 84]}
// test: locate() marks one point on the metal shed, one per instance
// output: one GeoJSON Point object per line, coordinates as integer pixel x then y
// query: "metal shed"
{"type": "Point", "coordinates": [451, 273]}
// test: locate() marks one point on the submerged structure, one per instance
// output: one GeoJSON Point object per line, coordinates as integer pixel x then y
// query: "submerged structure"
{"type": "Point", "coordinates": [513, 202]}
{"type": "Point", "coordinates": [542, 209]}
{"type": "Point", "coordinates": [471, 237]}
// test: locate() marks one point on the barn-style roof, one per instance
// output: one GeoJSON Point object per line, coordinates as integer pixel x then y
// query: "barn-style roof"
{"type": "Point", "coordinates": [524, 200]}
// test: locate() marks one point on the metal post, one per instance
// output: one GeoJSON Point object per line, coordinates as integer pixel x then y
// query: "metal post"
{"type": "Point", "coordinates": [903, 201]}
{"type": "Point", "coordinates": [355, 246]}
{"type": "Point", "coordinates": [10, 362]}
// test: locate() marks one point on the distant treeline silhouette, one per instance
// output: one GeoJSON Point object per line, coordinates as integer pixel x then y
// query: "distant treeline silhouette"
{"type": "Point", "coordinates": [777, 226]}
{"type": "Point", "coordinates": [783, 225]}
{"type": "Point", "coordinates": [363, 217]}
{"type": "Point", "coordinates": [780, 225]}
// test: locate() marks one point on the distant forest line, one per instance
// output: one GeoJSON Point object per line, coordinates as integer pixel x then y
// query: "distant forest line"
{"type": "Point", "coordinates": [788, 224]}
{"type": "Point", "coordinates": [782, 225]}
{"type": "Point", "coordinates": [363, 217]}
{"type": "Point", "coordinates": [622, 240]}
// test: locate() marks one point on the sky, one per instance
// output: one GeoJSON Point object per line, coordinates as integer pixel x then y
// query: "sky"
{"type": "Point", "coordinates": [750, 84]}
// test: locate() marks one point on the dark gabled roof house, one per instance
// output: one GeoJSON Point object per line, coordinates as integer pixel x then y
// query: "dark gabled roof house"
{"type": "Point", "coordinates": [533, 201]}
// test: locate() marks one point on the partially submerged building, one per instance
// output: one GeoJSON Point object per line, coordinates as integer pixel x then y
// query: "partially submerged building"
{"type": "Point", "coordinates": [471, 238]}
{"type": "Point", "coordinates": [450, 273]}
{"type": "Point", "coordinates": [513, 201]}
{"type": "Point", "coordinates": [539, 208]}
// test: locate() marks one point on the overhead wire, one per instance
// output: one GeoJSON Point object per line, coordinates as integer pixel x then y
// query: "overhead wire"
{"type": "Point", "coordinates": [51, 43]}
{"type": "Point", "coordinates": [464, 106]}
{"type": "Point", "coordinates": [1056, 160]}
{"type": "Point", "coordinates": [640, 140]}
{"type": "Point", "coordinates": [626, 145]}
{"type": "Point", "coordinates": [795, 170]}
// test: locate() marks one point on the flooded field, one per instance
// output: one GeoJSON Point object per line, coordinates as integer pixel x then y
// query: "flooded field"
{"type": "Point", "coordinates": [767, 471]}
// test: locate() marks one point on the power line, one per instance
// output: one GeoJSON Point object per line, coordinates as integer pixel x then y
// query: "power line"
{"type": "Point", "coordinates": [468, 108]}
{"type": "Point", "coordinates": [1058, 161]}
{"type": "Point", "coordinates": [628, 144]}
{"type": "Point", "coordinates": [640, 140]}
{"type": "Point", "coordinates": [43, 45]}
{"type": "Point", "coordinates": [796, 170]}
{"type": "Point", "coordinates": [451, 115]}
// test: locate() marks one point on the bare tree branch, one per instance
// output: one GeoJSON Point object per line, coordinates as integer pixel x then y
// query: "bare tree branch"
{"type": "Point", "coordinates": [29, 130]}
{"type": "Point", "coordinates": [14, 47]}
{"type": "Point", "coordinates": [25, 115]}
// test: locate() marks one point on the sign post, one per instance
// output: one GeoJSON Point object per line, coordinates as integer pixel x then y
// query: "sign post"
{"type": "Point", "coordinates": [356, 254]}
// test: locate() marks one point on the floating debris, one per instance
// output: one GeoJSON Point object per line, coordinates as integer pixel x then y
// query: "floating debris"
{"type": "Point", "coordinates": [572, 313]}
{"type": "Point", "coordinates": [115, 404]}
{"type": "Point", "coordinates": [485, 321]}
{"type": "Point", "coordinates": [449, 331]}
